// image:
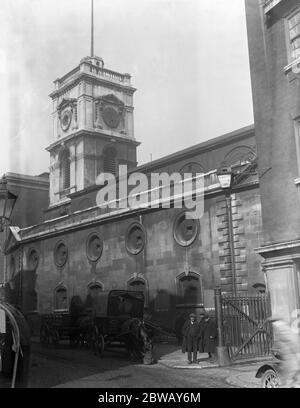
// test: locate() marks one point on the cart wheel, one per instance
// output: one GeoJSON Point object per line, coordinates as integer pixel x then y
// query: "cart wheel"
{"type": "Point", "coordinates": [270, 379]}
{"type": "Point", "coordinates": [44, 335]}
{"type": "Point", "coordinates": [98, 342]}
{"type": "Point", "coordinates": [54, 337]}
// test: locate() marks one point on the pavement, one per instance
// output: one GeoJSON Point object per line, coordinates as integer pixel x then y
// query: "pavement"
{"type": "Point", "coordinates": [239, 374]}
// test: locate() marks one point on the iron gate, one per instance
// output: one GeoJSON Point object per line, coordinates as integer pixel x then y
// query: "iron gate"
{"type": "Point", "coordinates": [246, 330]}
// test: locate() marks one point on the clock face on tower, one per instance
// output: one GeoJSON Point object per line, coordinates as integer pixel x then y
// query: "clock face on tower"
{"type": "Point", "coordinates": [65, 119]}
{"type": "Point", "coordinates": [111, 117]}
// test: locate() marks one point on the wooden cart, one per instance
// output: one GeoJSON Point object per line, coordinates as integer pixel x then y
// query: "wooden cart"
{"type": "Point", "coordinates": [117, 318]}
{"type": "Point", "coordinates": [56, 327]}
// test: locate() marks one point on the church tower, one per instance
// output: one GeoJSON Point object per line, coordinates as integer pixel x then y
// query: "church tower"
{"type": "Point", "coordinates": [92, 126]}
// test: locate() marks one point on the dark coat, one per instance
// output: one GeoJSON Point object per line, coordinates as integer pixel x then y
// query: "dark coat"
{"type": "Point", "coordinates": [179, 322]}
{"type": "Point", "coordinates": [186, 333]}
{"type": "Point", "coordinates": [208, 336]}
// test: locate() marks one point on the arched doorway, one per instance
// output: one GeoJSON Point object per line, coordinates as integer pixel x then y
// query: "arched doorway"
{"type": "Point", "coordinates": [60, 298]}
{"type": "Point", "coordinates": [139, 285]}
{"type": "Point", "coordinates": [189, 291]}
{"type": "Point", "coordinates": [94, 288]}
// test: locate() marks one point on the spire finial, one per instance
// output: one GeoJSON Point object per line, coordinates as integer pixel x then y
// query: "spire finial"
{"type": "Point", "coordinates": [92, 28]}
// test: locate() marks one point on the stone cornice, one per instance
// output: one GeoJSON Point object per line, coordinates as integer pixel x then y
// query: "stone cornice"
{"type": "Point", "coordinates": [279, 249]}
{"type": "Point", "coordinates": [25, 181]}
{"type": "Point", "coordinates": [211, 190]}
{"type": "Point", "coordinates": [90, 217]}
{"type": "Point", "coordinates": [92, 79]}
{"type": "Point", "coordinates": [92, 133]}
{"type": "Point", "coordinates": [279, 262]}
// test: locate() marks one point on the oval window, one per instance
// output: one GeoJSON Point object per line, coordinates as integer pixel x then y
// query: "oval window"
{"type": "Point", "coordinates": [185, 229]}
{"type": "Point", "coordinates": [94, 247]}
{"type": "Point", "coordinates": [60, 254]}
{"type": "Point", "coordinates": [135, 238]}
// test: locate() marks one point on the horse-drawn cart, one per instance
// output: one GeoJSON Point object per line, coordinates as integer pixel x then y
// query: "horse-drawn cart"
{"type": "Point", "coordinates": [59, 326]}
{"type": "Point", "coordinates": [118, 319]}
{"type": "Point", "coordinates": [112, 318]}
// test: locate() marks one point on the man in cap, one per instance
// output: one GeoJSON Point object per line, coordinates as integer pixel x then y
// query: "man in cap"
{"type": "Point", "coordinates": [191, 332]}
{"type": "Point", "coordinates": [209, 336]}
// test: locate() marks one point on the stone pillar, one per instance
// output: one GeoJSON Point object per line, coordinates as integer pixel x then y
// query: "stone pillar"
{"type": "Point", "coordinates": [239, 244]}
{"type": "Point", "coordinates": [282, 269]}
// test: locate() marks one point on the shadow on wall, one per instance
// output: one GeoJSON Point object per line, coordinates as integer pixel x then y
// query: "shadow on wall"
{"type": "Point", "coordinates": [163, 310]}
{"type": "Point", "coordinates": [170, 312]}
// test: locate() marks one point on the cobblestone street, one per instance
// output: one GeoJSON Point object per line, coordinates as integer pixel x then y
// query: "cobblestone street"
{"type": "Point", "coordinates": [66, 367]}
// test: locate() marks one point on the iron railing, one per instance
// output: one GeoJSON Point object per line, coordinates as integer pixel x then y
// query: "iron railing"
{"type": "Point", "coordinates": [247, 330]}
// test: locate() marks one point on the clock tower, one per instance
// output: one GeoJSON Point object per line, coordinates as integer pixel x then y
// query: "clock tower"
{"type": "Point", "coordinates": [92, 127]}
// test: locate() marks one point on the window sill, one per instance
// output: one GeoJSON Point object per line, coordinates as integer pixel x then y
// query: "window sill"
{"type": "Point", "coordinates": [67, 191]}
{"type": "Point", "coordinates": [189, 305]}
{"type": "Point", "coordinates": [60, 310]}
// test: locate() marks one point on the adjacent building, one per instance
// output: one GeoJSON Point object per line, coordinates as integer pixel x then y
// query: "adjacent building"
{"type": "Point", "coordinates": [274, 49]}
{"type": "Point", "coordinates": [33, 199]}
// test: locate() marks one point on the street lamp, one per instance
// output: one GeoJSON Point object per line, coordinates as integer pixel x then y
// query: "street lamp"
{"type": "Point", "coordinates": [225, 177]}
{"type": "Point", "coordinates": [7, 202]}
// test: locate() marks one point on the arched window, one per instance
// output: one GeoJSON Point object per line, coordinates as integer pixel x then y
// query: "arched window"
{"type": "Point", "coordinates": [189, 290]}
{"type": "Point", "coordinates": [138, 285]}
{"type": "Point", "coordinates": [60, 298]}
{"type": "Point", "coordinates": [65, 173]}
{"type": "Point", "coordinates": [239, 156]}
{"type": "Point", "coordinates": [94, 288]}
{"type": "Point", "coordinates": [110, 165]}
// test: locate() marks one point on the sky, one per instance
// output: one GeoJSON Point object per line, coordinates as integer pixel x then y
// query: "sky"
{"type": "Point", "coordinates": [188, 60]}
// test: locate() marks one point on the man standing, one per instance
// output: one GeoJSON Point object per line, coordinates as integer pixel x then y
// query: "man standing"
{"type": "Point", "coordinates": [191, 332]}
{"type": "Point", "coordinates": [209, 336]}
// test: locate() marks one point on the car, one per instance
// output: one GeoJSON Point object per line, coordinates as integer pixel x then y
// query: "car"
{"type": "Point", "coordinates": [270, 374]}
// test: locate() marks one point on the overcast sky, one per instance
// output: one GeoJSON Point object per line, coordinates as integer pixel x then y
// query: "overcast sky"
{"type": "Point", "coordinates": [188, 59]}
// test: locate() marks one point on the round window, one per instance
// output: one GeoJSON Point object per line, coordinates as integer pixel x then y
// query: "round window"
{"type": "Point", "coordinates": [33, 259]}
{"type": "Point", "coordinates": [135, 238]}
{"type": "Point", "coordinates": [60, 254]}
{"type": "Point", "coordinates": [94, 247]}
{"type": "Point", "coordinates": [185, 229]}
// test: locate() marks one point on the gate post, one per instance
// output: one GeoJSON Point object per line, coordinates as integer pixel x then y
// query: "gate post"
{"type": "Point", "coordinates": [222, 352]}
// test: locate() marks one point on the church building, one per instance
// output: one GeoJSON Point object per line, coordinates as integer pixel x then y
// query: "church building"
{"type": "Point", "coordinates": [81, 248]}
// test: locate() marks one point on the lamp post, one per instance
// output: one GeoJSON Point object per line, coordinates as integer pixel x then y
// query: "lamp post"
{"type": "Point", "coordinates": [225, 177]}
{"type": "Point", "coordinates": [7, 203]}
